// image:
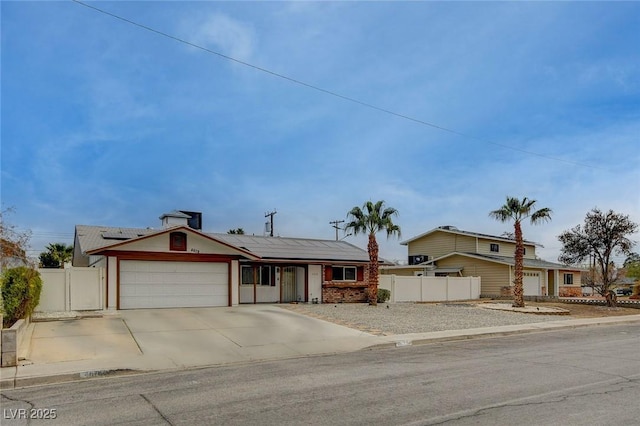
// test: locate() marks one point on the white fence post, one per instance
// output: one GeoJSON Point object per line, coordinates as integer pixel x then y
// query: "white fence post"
{"type": "Point", "coordinates": [67, 289]}
{"type": "Point", "coordinates": [446, 286]}
{"type": "Point", "coordinates": [393, 288]}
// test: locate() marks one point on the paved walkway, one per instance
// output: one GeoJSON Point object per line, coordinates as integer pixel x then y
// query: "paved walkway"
{"type": "Point", "coordinates": [134, 341]}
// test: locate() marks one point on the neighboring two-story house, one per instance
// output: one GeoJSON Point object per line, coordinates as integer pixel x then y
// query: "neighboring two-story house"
{"type": "Point", "coordinates": [449, 251]}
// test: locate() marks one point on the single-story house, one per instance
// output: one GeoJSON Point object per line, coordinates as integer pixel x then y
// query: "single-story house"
{"type": "Point", "coordinates": [449, 251]}
{"type": "Point", "coordinates": [178, 265]}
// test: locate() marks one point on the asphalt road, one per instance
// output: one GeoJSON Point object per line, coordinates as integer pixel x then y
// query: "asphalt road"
{"type": "Point", "coordinates": [584, 376]}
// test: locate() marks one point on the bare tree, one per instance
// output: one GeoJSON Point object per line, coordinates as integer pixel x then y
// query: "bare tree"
{"type": "Point", "coordinates": [13, 243]}
{"type": "Point", "coordinates": [603, 236]}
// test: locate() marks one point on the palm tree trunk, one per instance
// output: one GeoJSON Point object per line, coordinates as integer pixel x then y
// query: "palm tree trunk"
{"type": "Point", "coordinates": [518, 290]}
{"type": "Point", "coordinates": [372, 289]}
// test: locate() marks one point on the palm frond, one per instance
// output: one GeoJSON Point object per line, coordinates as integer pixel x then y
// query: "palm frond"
{"type": "Point", "coordinates": [372, 218]}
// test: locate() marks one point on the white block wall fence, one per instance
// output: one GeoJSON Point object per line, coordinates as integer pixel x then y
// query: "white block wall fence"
{"type": "Point", "coordinates": [430, 289]}
{"type": "Point", "coordinates": [72, 289]}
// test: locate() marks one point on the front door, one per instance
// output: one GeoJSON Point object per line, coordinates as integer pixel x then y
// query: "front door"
{"type": "Point", "coordinates": [288, 283]}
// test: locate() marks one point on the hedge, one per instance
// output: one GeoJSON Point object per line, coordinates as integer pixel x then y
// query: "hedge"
{"type": "Point", "coordinates": [383, 295]}
{"type": "Point", "coordinates": [20, 289]}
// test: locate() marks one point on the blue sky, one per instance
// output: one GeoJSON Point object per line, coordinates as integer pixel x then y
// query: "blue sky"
{"type": "Point", "coordinates": [106, 123]}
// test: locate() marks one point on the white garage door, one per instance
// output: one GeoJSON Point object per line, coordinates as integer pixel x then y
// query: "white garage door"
{"type": "Point", "coordinates": [531, 283]}
{"type": "Point", "coordinates": [155, 284]}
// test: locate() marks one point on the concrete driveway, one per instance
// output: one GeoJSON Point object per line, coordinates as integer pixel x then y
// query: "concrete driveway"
{"type": "Point", "coordinates": [152, 339]}
{"type": "Point", "coordinates": [160, 339]}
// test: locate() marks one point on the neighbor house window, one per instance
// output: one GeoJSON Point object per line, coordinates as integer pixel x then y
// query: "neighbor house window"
{"type": "Point", "coordinates": [178, 241]}
{"type": "Point", "coordinates": [568, 279]}
{"type": "Point", "coordinates": [495, 248]}
{"type": "Point", "coordinates": [524, 251]}
{"type": "Point", "coordinates": [344, 273]}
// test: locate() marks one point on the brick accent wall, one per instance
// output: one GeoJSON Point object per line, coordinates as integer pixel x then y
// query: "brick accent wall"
{"type": "Point", "coordinates": [343, 293]}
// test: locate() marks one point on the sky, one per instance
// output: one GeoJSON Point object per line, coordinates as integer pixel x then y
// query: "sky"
{"type": "Point", "coordinates": [236, 109]}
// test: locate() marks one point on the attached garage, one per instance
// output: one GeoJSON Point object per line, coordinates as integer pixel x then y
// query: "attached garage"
{"type": "Point", "coordinates": [164, 284]}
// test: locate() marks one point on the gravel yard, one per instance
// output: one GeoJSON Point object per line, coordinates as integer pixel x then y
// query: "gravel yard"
{"type": "Point", "coordinates": [403, 318]}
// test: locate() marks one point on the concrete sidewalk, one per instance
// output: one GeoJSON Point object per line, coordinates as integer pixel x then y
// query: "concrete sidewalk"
{"type": "Point", "coordinates": [136, 341]}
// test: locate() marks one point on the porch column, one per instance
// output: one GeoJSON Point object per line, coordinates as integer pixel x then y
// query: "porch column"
{"type": "Point", "coordinates": [235, 282]}
{"type": "Point", "coordinates": [112, 282]}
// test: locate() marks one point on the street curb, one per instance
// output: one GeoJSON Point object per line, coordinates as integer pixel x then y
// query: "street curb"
{"type": "Point", "coordinates": [22, 382]}
{"type": "Point", "coordinates": [526, 328]}
{"type": "Point", "coordinates": [402, 341]}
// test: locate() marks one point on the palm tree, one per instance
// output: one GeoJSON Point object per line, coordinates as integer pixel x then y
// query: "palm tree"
{"type": "Point", "coordinates": [371, 219]}
{"type": "Point", "coordinates": [517, 210]}
{"type": "Point", "coordinates": [60, 253]}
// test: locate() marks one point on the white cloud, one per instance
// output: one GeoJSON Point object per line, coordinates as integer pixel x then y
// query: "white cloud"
{"type": "Point", "coordinates": [148, 121]}
{"type": "Point", "coordinates": [224, 34]}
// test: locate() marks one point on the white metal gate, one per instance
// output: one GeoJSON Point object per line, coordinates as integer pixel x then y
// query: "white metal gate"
{"type": "Point", "coordinates": [71, 289]}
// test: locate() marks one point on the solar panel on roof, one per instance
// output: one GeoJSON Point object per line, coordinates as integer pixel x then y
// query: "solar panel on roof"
{"type": "Point", "coordinates": [116, 236]}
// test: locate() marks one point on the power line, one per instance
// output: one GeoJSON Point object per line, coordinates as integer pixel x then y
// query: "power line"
{"type": "Point", "coordinates": [336, 224]}
{"type": "Point", "coordinates": [47, 234]}
{"type": "Point", "coordinates": [331, 93]}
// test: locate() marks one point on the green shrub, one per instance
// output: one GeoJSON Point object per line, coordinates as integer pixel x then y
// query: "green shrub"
{"type": "Point", "coordinates": [21, 289]}
{"type": "Point", "coordinates": [383, 295]}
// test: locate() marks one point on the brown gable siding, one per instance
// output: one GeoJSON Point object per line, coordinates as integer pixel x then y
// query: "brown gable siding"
{"type": "Point", "coordinates": [440, 243]}
{"type": "Point", "coordinates": [506, 249]}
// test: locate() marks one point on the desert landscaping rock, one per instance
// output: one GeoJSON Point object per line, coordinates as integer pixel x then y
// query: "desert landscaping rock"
{"type": "Point", "coordinates": [535, 310]}
{"type": "Point", "coordinates": [404, 318]}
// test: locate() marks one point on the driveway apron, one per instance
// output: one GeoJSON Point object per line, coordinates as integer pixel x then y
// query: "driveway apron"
{"type": "Point", "coordinates": [203, 336]}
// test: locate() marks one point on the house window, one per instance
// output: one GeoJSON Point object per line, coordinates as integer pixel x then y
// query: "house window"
{"type": "Point", "coordinates": [247, 275]}
{"type": "Point", "coordinates": [568, 279]}
{"type": "Point", "coordinates": [265, 275]}
{"type": "Point", "coordinates": [344, 273]}
{"type": "Point", "coordinates": [524, 251]}
{"type": "Point", "coordinates": [261, 275]}
{"type": "Point", "coordinates": [178, 241]}
{"type": "Point", "coordinates": [495, 248]}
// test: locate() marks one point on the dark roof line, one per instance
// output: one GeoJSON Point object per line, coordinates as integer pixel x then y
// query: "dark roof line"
{"type": "Point", "coordinates": [453, 230]}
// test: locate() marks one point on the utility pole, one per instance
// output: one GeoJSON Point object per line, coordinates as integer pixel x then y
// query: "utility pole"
{"type": "Point", "coordinates": [270, 214]}
{"type": "Point", "coordinates": [336, 224]}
